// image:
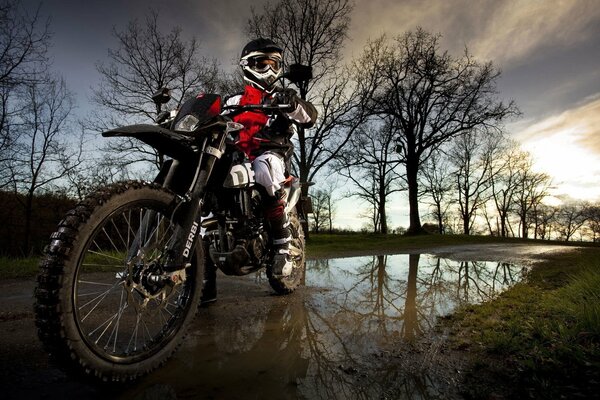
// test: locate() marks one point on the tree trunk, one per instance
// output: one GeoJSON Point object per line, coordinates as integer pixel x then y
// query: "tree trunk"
{"type": "Point", "coordinates": [412, 168]}
{"type": "Point", "coordinates": [381, 204]}
{"type": "Point", "coordinates": [524, 230]}
{"type": "Point", "coordinates": [26, 251]}
{"type": "Point", "coordinates": [440, 220]}
{"type": "Point", "coordinates": [466, 218]}
{"type": "Point", "coordinates": [330, 217]}
{"type": "Point", "coordinates": [502, 223]}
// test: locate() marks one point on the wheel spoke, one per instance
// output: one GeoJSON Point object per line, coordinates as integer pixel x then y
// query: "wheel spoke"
{"type": "Point", "coordinates": [125, 243]}
{"type": "Point", "coordinates": [115, 332]}
{"type": "Point", "coordinates": [105, 255]}
{"type": "Point", "coordinates": [100, 298]}
{"type": "Point", "coordinates": [108, 322]}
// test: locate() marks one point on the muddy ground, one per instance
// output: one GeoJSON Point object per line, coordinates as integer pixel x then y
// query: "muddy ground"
{"type": "Point", "coordinates": [252, 344]}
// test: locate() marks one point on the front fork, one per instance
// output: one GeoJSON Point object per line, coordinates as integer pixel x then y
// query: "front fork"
{"type": "Point", "coordinates": [189, 206]}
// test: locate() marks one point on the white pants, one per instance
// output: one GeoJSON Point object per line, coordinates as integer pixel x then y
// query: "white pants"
{"type": "Point", "coordinates": [269, 171]}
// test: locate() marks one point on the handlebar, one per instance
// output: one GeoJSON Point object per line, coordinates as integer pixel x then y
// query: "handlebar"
{"type": "Point", "coordinates": [263, 107]}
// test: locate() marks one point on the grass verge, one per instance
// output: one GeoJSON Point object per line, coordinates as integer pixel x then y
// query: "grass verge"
{"type": "Point", "coordinates": [541, 338]}
{"type": "Point", "coordinates": [17, 268]}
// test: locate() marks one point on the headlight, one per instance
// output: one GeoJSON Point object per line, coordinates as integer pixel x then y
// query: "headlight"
{"type": "Point", "coordinates": [187, 123]}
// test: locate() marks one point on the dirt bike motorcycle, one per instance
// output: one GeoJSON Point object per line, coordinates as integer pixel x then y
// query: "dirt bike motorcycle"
{"type": "Point", "coordinates": [122, 277]}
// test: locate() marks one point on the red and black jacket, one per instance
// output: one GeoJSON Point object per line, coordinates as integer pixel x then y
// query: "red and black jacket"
{"type": "Point", "coordinates": [263, 133]}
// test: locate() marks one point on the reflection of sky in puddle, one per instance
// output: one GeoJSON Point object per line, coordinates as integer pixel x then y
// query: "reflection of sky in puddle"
{"type": "Point", "coordinates": [318, 342]}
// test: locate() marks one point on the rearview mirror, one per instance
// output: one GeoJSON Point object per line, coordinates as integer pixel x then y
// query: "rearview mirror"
{"type": "Point", "coordinates": [298, 73]}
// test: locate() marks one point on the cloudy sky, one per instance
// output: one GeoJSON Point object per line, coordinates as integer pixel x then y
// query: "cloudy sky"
{"type": "Point", "coordinates": [548, 51]}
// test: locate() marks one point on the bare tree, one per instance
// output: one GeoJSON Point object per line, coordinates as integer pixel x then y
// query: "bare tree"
{"type": "Point", "coordinates": [332, 207]}
{"type": "Point", "coordinates": [45, 154]}
{"type": "Point", "coordinates": [571, 216]}
{"type": "Point", "coordinates": [320, 214]}
{"type": "Point", "coordinates": [508, 168]}
{"type": "Point", "coordinates": [324, 208]}
{"type": "Point", "coordinates": [93, 172]}
{"type": "Point", "coordinates": [24, 41]}
{"type": "Point", "coordinates": [472, 154]}
{"type": "Point", "coordinates": [593, 220]}
{"type": "Point", "coordinates": [437, 185]}
{"type": "Point", "coordinates": [544, 219]}
{"type": "Point", "coordinates": [370, 163]}
{"type": "Point", "coordinates": [431, 96]}
{"type": "Point", "coordinates": [532, 188]}
{"type": "Point", "coordinates": [146, 60]}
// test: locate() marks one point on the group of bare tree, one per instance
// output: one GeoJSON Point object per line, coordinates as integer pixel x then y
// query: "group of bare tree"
{"type": "Point", "coordinates": [414, 106]}
{"type": "Point", "coordinates": [42, 146]}
{"type": "Point", "coordinates": [487, 184]}
{"type": "Point", "coordinates": [35, 111]}
{"type": "Point", "coordinates": [428, 98]}
{"type": "Point", "coordinates": [483, 176]}
{"type": "Point", "coordinates": [409, 100]}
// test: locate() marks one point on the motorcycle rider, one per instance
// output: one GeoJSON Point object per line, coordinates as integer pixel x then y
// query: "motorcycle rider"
{"type": "Point", "coordinates": [266, 141]}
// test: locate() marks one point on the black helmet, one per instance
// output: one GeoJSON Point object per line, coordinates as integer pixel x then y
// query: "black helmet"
{"type": "Point", "coordinates": [262, 63]}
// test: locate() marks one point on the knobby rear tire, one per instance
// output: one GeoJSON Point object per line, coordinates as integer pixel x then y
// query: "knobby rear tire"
{"type": "Point", "coordinates": [73, 296]}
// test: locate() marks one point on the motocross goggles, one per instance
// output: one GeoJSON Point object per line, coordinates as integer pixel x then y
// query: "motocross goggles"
{"type": "Point", "coordinates": [262, 62]}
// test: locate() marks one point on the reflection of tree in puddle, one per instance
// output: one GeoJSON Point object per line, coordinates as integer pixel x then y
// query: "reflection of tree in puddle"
{"type": "Point", "coordinates": [328, 344]}
{"type": "Point", "coordinates": [385, 297]}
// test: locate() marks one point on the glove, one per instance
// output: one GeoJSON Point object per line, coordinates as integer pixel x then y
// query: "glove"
{"type": "Point", "coordinates": [286, 96]}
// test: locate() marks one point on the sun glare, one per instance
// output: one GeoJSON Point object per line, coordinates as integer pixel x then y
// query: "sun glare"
{"type": "Point", "coordinates": [575, 170]}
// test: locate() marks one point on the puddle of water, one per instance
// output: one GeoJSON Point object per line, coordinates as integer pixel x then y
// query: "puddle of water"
{"type": "Point", "coordinates": [323, 342]}
{"type": "Point", "coordinates": [401, 295]}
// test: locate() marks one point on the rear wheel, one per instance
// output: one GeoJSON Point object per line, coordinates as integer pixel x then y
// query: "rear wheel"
{"type": "Point", "coordinates": [287, 284]}
{"type": "Point", "coordinates": [104, 302]}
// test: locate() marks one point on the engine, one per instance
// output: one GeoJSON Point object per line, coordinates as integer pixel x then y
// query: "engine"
{"type": "Point", "coordinates": [236, 235]}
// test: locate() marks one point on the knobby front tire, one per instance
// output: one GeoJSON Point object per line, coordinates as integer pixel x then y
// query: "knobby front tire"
{"type": "Point", "coordinates": [99, 304]}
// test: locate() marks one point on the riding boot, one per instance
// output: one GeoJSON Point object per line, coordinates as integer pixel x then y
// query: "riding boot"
{"type": "Point", "coordinates": [280, 231]}
{"type": "Point", "coordinates": [209, 291]}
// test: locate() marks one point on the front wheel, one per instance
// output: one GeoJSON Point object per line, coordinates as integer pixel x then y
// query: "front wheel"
{"type": "Point", "coordinates": [104, 302]}
{"type": "Point", "coordinates": [287, 284]}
